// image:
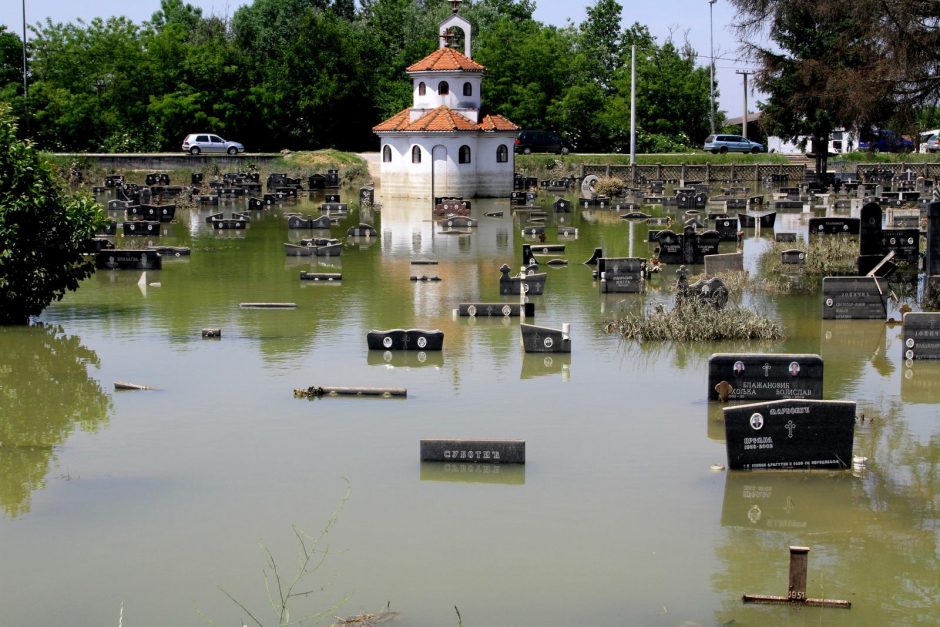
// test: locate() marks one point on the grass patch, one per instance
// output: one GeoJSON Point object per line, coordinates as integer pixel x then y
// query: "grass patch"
{"type": "Point", "coordinates": [826, 255]}
{"type": "Point", "coordinates": [323, 159]}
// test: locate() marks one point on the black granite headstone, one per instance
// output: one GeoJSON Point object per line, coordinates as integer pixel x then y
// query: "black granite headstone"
{"type": "Point", "coordinates": [128, 260]}
{"type": "Point", "coordinates": [790, 434]}
{"type": "Point", "coordinates": [905, 243]}
{"type": "Point", "coordinates": [670, 247]}
{"type": "Point", "coordinates": [544, 339]}
{"type": "Point", "coordinates": [933, 239]}
{"type": "Point", "coordinates": [854, 298]}
{"type": "Point", "coordinates": [870, 242]}
{"type": "Point", "coordinates": [793, 256]}
{"type": "Point", "coordinates": [785, 237]}
{"type": "Point", "coordinates": [620, 274]}
{"type": "Point", "coordinates": [727, 228]}
{"type": "Point", "coordinates": [765, 376]}
{"type": "Point", "coordinates": [834, 226]}
{"type": "Point", "coordinates": [921, 331]}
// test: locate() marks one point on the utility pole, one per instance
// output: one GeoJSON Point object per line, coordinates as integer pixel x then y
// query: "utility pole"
{"type": "Point", "coordinates": [744, 118]}
{"type": "Point", "coordinates": [711, 84]}
{"type": "Point", "coordinates": [633, 104]}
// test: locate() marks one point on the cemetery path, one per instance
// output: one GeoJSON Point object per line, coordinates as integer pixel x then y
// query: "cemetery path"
{"type": "Point", "coordinates": [372, 160]}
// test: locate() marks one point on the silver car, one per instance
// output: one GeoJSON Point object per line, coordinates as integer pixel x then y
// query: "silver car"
{"type": "Point", "coordinates": [731, 143]}
{"type": "Point", "coordinates": [195, 143]}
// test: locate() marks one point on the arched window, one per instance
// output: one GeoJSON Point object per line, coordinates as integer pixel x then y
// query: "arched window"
{"type": "Point", "coordinates": [386, 153]}
{"type": "Point", "coordinates": [464, 155]}
{"type": "Point", "coordinates": [416, 154]}
{"type": "Point", "coordinates": [443, 88]}
{"type": "Point", "coordinates": [467, 89]}
{"type": "Point", "coordinates": [502, 153]}
{"type": "Point", "coordinates": [422, 89]}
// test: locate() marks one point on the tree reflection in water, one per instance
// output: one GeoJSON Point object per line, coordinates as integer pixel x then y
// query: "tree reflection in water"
{"type": "Point", "coordinates": [45, 392]}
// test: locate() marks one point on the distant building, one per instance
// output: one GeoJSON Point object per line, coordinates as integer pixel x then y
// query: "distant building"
{"type": "Point", "coordinates": [439, 146]}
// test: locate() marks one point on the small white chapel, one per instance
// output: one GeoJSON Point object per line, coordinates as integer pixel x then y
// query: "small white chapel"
{"type": "Point", "coordinates": [440, 146]}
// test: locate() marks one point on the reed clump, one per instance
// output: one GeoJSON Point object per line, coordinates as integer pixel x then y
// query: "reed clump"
{"type": "Point", "coordinates": [825, 255]}
{"type": "Point", "coordinates": [694, 321]}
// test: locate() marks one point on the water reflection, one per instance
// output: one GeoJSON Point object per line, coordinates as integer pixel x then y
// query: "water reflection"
{"type": "Point", "coordinates": [534, 365]}
{"type": "Point", "coordinates": [45, 393]}
{"type": "Point", "coordinates": [508, 474]}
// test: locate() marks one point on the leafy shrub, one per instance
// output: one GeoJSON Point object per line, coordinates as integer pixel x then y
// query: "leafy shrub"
{"type": "Point", "coordinates": [43, 231]}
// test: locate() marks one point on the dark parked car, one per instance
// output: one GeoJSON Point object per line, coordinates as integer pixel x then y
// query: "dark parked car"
{"type": "Point", "coordinates": [883, 140]}
{"type": "Point", "coordinates": [541, 141]}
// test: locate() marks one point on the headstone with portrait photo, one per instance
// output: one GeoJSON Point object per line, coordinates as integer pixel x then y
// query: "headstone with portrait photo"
{"type": "Point", "coordinates": [854, 298]}
{"type": "Point", "coordinates": [764, 376]}
{"type": "Point", "coordinates": [790, 434]}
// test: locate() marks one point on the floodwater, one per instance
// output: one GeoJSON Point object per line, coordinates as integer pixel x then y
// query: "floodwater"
{"type": "Point", "coordinates": [161, 505]}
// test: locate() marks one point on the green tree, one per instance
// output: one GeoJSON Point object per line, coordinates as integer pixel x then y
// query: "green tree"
{"type": "Point", "coordinates": [835, 64]}
{"type": "Point", "coordinates": [43, 231]}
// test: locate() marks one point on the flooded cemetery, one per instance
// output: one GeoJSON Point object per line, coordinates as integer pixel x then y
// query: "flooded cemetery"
{"type": "Point", "coordinates": [436, 403]}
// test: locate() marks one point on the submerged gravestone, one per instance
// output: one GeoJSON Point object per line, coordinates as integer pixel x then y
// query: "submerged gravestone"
{"type": "Point", "coordinates": [921, 332]}
{"type": "Point", "coordinates": [621, 275]}
{"type": "Point", "coordinates": [473, 450]}
{"type": "Point", "coordinates": [854, 298]}
{"type": "Point", "coordinates": [790, 434]}
{"type": "Point", "coordinates": [793, 257]}
{"type": "Point", "coordinates": [764, 376]}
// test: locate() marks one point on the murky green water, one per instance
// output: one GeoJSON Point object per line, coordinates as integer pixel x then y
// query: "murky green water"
{"type": "Point", "coordinates": [161, 500]}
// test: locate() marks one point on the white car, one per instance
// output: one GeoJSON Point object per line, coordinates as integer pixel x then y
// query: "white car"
{"type": "Point", "coordinates": [195, 143]}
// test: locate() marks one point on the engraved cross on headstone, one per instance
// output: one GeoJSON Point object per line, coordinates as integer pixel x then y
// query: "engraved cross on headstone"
{"type": "Point", "coordinates": [766, 369]}
{"type": "Point", "coordinates": [790, 426]}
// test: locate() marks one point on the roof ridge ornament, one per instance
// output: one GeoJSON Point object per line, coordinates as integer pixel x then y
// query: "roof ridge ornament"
{"type": "Point", "coordinates": [455, 5]}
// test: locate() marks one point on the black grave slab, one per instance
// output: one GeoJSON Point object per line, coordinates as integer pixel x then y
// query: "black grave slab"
{"type": "Point", "coordinates": [128, 260]}
{"type": "Point", "coordinates": [921, 332]}
{"type": "Point", "coordinates": [905, 243]}
{"type": "Point", "coordinates": [363, 230]}
{"type": "Point", "coordinates": [766, 376]}
{"type": "Point", "coordinates": [620, 275]}
{"type": "Point", "coordinates": [785, 237]}
{"type": "Point", "coordinates": [526, 310]}
{"type": "Point", "coordinates": [787, 204]}
{"type": "Point", "coordinates": [790, 434]}
{"type": "Point", "coordinates": [793, 257]}
{"type": "Point", "coordinates": [834, 226]}
{"type": "Point", "coordinates": [530, 284]}
{"type": "Point", "coordinates": [670, 247]}
{"type": "Point", "coordinates": [870, 240]}
{"type": "Point", "coordinates": [141, 228]}
{"type": "Point", "coordinates": [544, 339]}
{"type": "Point", "coordinates": [933, 239]}
{"type": "Point", "coordinates": [727, 228]}
{"type": "Point", "coordinates": [482, 450]}
{"type": "Point", "coordinates": [405, 339]}
{"type": "Point", "coordinates": [854, 298]}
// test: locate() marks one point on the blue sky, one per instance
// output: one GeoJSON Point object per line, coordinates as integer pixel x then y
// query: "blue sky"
{"type": "Point", "coordinates": [683, 18]}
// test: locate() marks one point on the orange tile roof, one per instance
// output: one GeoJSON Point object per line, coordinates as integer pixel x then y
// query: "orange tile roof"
{"type": "Point", "coordinates": [443, 119]}
{"type": "Point", "coordinates": [446, 60]}
{"type": "Point", "coordinates": [395, 123]}
{"type": "Point", "coordinates": [493, 123]}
